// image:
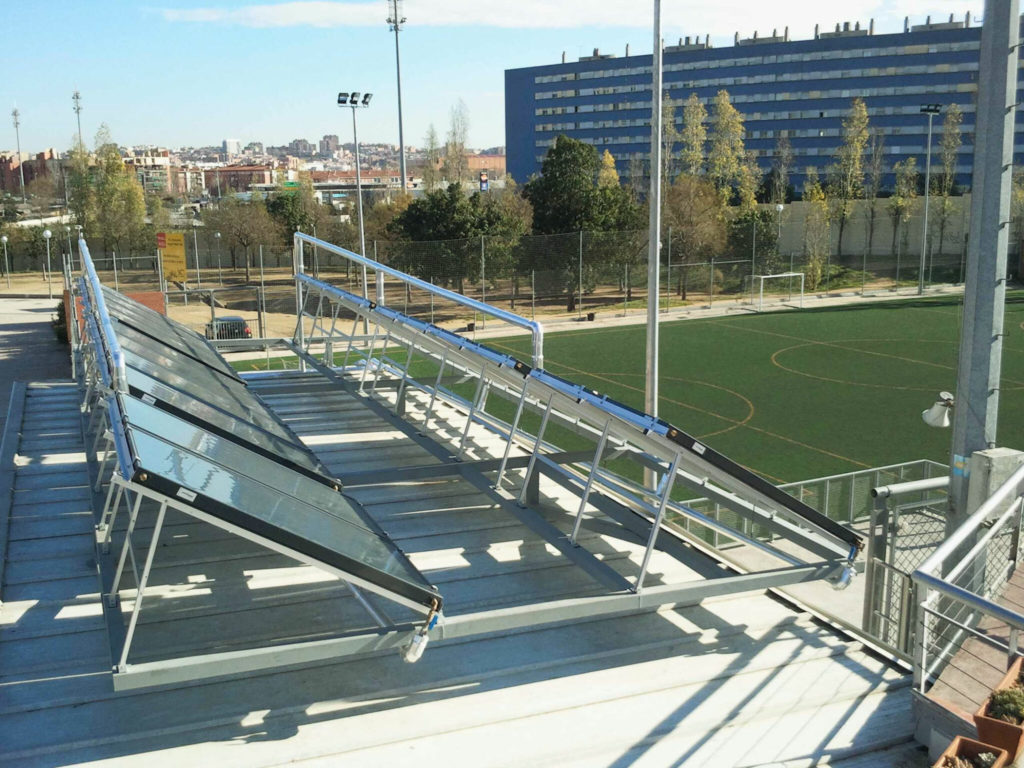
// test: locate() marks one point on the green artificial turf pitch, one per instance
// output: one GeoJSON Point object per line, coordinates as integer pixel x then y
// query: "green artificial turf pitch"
{"type": "Point", "coordinates": [799, 394]}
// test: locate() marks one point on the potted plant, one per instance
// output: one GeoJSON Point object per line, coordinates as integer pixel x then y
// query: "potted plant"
{"type": "Point", "coordinates": [968, 753]}
{"type": "Point", "coordinates": [999, 718]}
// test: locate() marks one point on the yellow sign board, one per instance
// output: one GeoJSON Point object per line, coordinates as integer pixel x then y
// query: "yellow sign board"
{"type": "Point", "coordinates": [174, 257]}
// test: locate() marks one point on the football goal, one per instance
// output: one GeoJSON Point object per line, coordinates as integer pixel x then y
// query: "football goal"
{"type": "Point", "coordinates": [758, 281]}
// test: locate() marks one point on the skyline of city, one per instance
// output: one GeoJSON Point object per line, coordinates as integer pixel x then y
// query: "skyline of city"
{"type": "Point", "coordinates": [249, 71]}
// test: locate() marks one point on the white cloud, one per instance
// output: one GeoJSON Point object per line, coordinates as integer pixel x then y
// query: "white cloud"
{"type": "Point", "coordinates": [722, 17]}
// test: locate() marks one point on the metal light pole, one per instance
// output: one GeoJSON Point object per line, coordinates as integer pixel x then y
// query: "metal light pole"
{"type": "Point", "coordinates": [352, 100]}
{"type": "Point", "coordinates": [47, 234]}
{"type": "Point", "coordinates": [220, 275]}
{"type": "Point", "coordinates": [7, 264]}
{"type": "Point", "coordinates": [21, 166]}
{"type": "Point", "coordinates": [76, 97]}
{"type": "Point", "coordinates": [195, 245]}
{"type": "Point", "coordinates": [981, 345]}
{"type": "Point", "coordinates": [931, 110]}
{"type": "Point", "coordinates": [654, 233]}
{"type": "Point", "coordinates": [778, 238]}
{"type": "Point", "coordinates": [396, 20]}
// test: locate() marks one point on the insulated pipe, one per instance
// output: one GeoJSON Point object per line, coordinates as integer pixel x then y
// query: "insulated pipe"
{"type": "Point", "coordinates": [104, 318]}
{"type": "Point", "coordinates": [913, 486]}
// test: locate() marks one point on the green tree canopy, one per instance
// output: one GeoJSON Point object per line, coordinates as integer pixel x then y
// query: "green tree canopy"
{"type": "Point", "coordinates": [566, 197]}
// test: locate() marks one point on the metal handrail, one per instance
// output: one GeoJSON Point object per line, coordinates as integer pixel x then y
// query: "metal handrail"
{"type": "Point", "coordinates": [1013, 487]}
{"type": "Point", "coordinates": [935, 576]}
{"type": "Point", "coordinates": [103, 317]}
{"type": "Point", "coordinates": [535, 328]}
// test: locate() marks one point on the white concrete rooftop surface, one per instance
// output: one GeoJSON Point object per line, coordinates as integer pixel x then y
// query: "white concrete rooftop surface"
{"type": "Point", "coordinates": [738, 681]}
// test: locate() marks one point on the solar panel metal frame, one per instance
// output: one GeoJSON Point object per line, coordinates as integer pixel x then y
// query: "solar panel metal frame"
{"type": "Point", "coordinates": [177, 336]}
{"type": "Point", "coordinates": [230, 395]}
{"type": "Point", "coordinates": [313, 468]}
{"type": "Point", "coordinates": [421, 597]}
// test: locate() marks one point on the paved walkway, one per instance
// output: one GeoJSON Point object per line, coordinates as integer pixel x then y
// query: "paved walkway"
{"type": "Point", "coordinates": [29, 351]}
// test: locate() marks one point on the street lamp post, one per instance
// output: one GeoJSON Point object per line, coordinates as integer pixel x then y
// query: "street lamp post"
{"type": "Point", "coordinates": [353, 100]}
{"type": "Point", "coordinates": [220, 276]}
{"type": "Point", "coordinates": [47, 234]}
{"type": "Point", "coordinates": [71, 256]}
{"type": "Point", "coordinates": [396, 20]}
{"type": "Point", "coordinates": [778, 238]}
{"type": "Point", "coordinates": [931, 110]}
{"type": "Point", "coordinates": [15, 114]}
{"type": "Point", "coordinates": [7, 264]}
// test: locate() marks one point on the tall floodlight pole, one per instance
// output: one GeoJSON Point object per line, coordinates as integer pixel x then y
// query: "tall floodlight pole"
{"type": "Point", "coordinates": [352, 100]}
{"type": "Point", "coordinates": [396, 20]}
{"type": "Point", "coordinates": [654, 230]}
{"type": "Point", "coordinates": [76, 97]}
{"type": "Point", "coordinates": [931, 110]}
{"type": "Point", "coordinates": [15, 114]}
{"type": "Point", "coordinates": [981, 337]}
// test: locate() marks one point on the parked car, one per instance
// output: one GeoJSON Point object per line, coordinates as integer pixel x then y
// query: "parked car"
{"type": "Point", "coordinates": [229, 327]}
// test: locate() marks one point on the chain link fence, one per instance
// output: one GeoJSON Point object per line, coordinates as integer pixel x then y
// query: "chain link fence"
{"type": "Point", "coordinates": [578, 275]}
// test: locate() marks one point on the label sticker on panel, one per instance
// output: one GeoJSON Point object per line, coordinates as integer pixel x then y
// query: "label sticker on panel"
{"type": "Point", "coordinates": [186, 494]}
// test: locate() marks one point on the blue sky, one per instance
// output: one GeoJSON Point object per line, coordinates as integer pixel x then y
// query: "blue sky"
{"type": "Point", "coordinates": [193, 72]}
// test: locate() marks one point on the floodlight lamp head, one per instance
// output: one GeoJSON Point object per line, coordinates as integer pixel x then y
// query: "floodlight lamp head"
{"type": "Point", "coordinates": [366, 99]}
{"type": "Point", "coordinates": [938, 414]}
{"type": "Point", "coordinates": [342, 99]}
{"type": "Point", "coordinates": [353, 99]}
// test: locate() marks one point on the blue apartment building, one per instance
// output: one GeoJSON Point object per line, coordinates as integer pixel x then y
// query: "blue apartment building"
{"type": "Point", "coordinates": [799, 88]}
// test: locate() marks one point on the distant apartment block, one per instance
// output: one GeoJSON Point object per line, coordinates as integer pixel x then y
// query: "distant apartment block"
{"type": "Point", "coordinates": [800, 89]}
{"type": "Point", "coordinates": [153, 170]}
{"type": "Point", "coordinates": [42, 164]}
{"type": "Point", "coordinates": [232, 148]}
{"type": "Point", "coordinates": [236, 178]}
{"type": "Point", "coordinates": [329, 144]}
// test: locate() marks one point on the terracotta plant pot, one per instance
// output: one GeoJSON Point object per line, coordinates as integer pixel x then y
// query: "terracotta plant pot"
{"type": "Point", "coordinates": [998, 732]}
{"type": "Point", "coordinates": [961, 746]}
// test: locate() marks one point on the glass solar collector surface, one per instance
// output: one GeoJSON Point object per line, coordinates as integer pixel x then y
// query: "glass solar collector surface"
{"type": "Point", "coordinates": [234, 484]}
{"type": "Point", "coordinates": [244, 431]}
{"type": "Point", "coordinates": [165, 331]}
{"type": "Point", "coordinates": [189, 432]}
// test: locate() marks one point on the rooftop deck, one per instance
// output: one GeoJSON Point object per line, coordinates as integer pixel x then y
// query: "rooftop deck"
{"type": "Point", "coordinates": [737, 680]}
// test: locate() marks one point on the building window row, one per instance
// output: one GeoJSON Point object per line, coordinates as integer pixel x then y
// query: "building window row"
{"type": "Point", "coordinates": [836, 93]}
{"type": "Point", "coordinates": [755, 60]}
{"type": "Point", "coordinates": [761, 79]}
{"type": "Point", "coordinates": [833, 74]}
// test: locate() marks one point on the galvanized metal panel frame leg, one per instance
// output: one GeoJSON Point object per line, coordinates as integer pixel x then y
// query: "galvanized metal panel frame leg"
{"type": "Point", "coordinates": [140, 590]}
